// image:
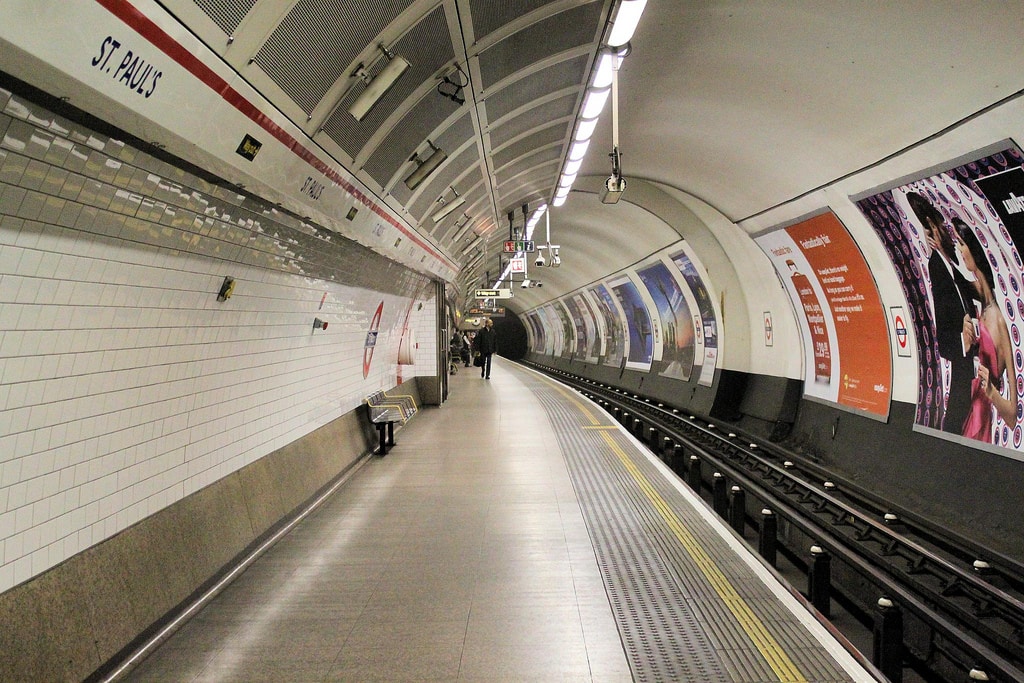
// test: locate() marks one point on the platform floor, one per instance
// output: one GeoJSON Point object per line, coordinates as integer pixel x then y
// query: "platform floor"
{"type": "Point", "coordinates": [514, 534]}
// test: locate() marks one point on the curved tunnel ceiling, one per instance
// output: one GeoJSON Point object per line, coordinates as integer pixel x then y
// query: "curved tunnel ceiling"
{"type": "Point", "coordinates": [744, 106]}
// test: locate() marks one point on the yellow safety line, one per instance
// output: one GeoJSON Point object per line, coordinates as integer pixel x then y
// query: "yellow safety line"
{"type": "Point", "coordinates": [765, 643]}
{"type": "Point", "coordinates": [763, 640]}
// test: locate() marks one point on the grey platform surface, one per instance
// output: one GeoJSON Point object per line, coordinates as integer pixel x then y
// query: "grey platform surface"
{"type": "Point", "coordinates": [514, 534]}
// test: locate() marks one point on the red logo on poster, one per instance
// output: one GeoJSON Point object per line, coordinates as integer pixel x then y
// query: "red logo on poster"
{"type": "Point", "coordinates": [371, 340]}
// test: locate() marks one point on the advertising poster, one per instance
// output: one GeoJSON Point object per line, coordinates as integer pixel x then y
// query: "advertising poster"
{"type": "Point", "coordinates": [549, 322]}
{"type": "Point", "coordinates": [638, 323]}
{"type": "Point", "coordinates": [676, 321]}
{"type": "Point", "coordinates": [709, 325]}
{"type": "Point", "coordinates": [537, 332]}
{"type": "Point", "coordinates": [954, 237]}
{"type": "Point", "coordinates": [586, 318]}
{"type": "Point", "coordinates": [579, 324]}
{"type": "Point", "coordinates": [844, 327]}
{"type": "Point", "coordinates": [615, 338]}
{"type": "Point", "coordinates": [568, 329]}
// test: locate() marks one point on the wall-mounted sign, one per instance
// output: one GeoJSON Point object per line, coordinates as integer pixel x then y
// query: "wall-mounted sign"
{"type": "Point", "coordinates": [503, 293]}
{"type": "Point", "coordinates": [249, 147]}
{"type": "Point", "coordinates": [516, 246]}
{"type": "Point", "coordinates": [899, 330]}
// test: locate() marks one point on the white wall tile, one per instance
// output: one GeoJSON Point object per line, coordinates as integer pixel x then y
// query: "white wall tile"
{"type": "Point", "coordinates": [125, 385]}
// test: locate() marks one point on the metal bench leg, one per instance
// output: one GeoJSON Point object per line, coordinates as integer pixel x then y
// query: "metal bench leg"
{"type": "Point", "coordinates": [383, 449]}
{"type": "Point", "coordinates": [391, 433]}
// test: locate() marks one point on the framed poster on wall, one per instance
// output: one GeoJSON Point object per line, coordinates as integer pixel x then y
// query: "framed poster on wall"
{"type": "Point", "coordinates": [955, 234]}
{"type": "Point", "coordinates": [843, 325]}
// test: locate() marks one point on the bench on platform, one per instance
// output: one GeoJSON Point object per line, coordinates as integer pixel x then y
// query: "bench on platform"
{"type": "Point", "coordinates": [385, 411]}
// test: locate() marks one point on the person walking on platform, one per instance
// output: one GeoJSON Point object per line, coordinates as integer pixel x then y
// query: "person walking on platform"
{"type": "Point", "coordinates": [467, 349]}
{"type": "Point", "coordinates": [486, 345]}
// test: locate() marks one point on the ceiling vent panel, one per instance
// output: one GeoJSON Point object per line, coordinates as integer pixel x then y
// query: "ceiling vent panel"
{"type": "Point", "coordinates": [547, 137]}
{"type": "Point", "coordinates": [563, 31]}
{"type": "Point", "coordinates": [568, 74]}
{"type": "Point", "coordinates": [439, 182]}
{"type": "Point", "coordinates": [427, 48]}
{"type": "Point", "coordinates": [227, 14]}
{"type": "Point", "coordinates": [489, 15]}
{"type": "Point", "coordinates": [562, 108]}
{"type": "Point", "coordinates": [524, 164]}
{"type": "Point", "coordinates": [408, 136]}
{"type": "Point", "coordinates": [533, 191]}
{"type": "Point", "coordinates": [449, 140]}
{"type": "Point", "coordinates": [318, 40]}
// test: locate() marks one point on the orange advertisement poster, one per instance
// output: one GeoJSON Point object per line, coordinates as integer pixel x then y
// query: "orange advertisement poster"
{"type": "Point", "coordinates": [844, 326]}
{"type": "Point", "coordinates": [860, 323]}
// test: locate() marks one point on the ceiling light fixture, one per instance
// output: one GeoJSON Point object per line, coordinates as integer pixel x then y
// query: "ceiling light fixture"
{"type": "Point", "coordinates": [572, 167]}
{"type": "Point", "coordinates": [424, 167]}
{"type": "Point", "coordinates": [585, 130]}
{"type": "Point", "coordinates": [472, 244]}
{"type": "Point", "coordinates": [379, 85]}
{"type": "Point", "coordinates": [603, 83]}
{"type": "Point", "coordinates": [627, 16]}
{"type": "Point", "coordinates": [603, 76]}
{"type": "Point", "coordinates": [593, 105]}
{"type": "Point", "coordinates": [531, 224]}
{"type": "Point", "coordinates": [578, 150]}
{"type": "Point", "coordinates": [447, 207]}
{"type": "Point", "coordinates": [463, 229]}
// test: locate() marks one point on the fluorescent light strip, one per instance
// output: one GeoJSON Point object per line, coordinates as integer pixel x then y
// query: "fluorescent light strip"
{"type": "Point", "coordinates": [603, 75]}
{"type": "Point", "coordinates": [585, 130]}
{"type": "Point", "coordinates": [627, 16]}
{"type": "Point", "coordinates": [594, 103]}
{"type": "Point", "coordinates": [578, 150]}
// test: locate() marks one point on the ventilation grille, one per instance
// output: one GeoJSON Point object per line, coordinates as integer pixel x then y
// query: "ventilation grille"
{"type": "Point", "coordinates": [566, 30]}
{"type": "Point", "coordinates": [227, 14]}
{"type": "Point", "coordinates": [440, 180]}
{"type": "Point", "coordinates": [426, 52]}
{"type": "Point", "coordinates": [568, 74]}
{"type": "Point", "coordinates": [536, 117]}
{"type": "Point", "coordinates": [318, 39]}
{"type": "Point", "coordinates": [408, 136]}
{"type": "Point", "coordinates": [528, 189]}
{"type": "Point", "coordinates": [528, 146]}
{"type": "Point", "coordinates": [489, 15]}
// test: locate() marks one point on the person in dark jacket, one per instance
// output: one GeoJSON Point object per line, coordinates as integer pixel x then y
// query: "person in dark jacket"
{"type": "Point", "coordinates": [486, 344]}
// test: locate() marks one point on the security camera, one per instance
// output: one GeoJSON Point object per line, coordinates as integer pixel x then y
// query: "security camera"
{"type": "Point", "coordinates": [526, 284]}
{"type": "Point", "coordinates": [538, 284]}
{"type": "Point", "coordinates": [613, 189]}
{"type": "Point", "coordinates": [540, 261]}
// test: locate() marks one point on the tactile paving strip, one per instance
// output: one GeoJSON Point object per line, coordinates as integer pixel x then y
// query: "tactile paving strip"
{"type": "Point", "coordinates": [673, 624]}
